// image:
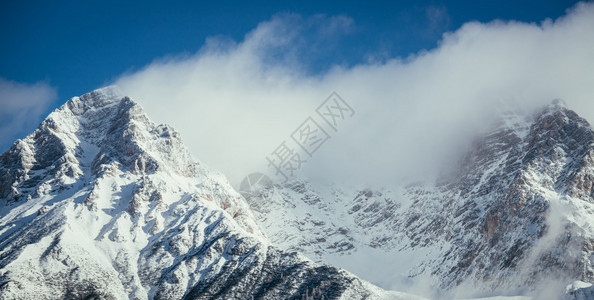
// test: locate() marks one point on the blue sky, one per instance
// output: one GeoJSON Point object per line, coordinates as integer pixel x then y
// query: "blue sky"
{"type": "Point", "coordinates": [53, 50]}
{"type": "Point", "coordinates": [76, 46]}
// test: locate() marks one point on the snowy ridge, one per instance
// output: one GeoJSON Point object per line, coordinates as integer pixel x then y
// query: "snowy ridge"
{"type": "Point", "coordinates": [99, 202]}
{"type": "Point", "coordinates": [514, 218]}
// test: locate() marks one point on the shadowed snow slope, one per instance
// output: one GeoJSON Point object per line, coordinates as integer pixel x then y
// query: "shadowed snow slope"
{"type": "Point", "coordinates": [99, 202]}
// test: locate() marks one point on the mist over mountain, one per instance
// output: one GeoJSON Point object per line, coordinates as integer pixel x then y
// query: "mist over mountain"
{"type": "Point", "coordinates": [294, 163]}
{"type": "Point", "coordinates": [514, 218]}
{"type": "Point", "coordinates": [413, 114]}
{"type": "Point", "coordinates": [101, 203]}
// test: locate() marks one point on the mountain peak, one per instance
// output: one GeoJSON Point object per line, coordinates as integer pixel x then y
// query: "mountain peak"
{"type": "Point", "coordinates": [558, 103]}
{"type": "Point", "coordinates": [103, 130]}
{"type": "Point", "coordinates": [558, 111]}
{"type": "Point", "coordinates": [97, 99]}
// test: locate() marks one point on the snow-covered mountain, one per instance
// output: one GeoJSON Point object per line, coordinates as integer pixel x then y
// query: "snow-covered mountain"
{"type": "Point", "coordinates": [101, 203]}
{"type": "Point", "coordinates": [516, 217]}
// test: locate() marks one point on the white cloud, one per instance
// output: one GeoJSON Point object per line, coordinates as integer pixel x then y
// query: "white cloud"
{"type": "Point", "coordinates": [234, 103]}
{"type": "Point", "coordinates": [21, 108]}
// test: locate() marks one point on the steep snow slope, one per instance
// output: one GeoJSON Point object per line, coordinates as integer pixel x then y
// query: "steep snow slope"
{"type": "Point", "coordinates": [99, 202]}
{"type": "Point", "coordinates": [515, 217]}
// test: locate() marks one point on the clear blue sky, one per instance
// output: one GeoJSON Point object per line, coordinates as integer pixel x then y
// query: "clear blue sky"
{"type": "Point", "coordinates": [76, 46]}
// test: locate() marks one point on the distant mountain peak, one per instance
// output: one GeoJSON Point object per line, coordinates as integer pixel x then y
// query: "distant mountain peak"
{"type": "Point", "coordinates": [558, 103]}
{"type": "Point", "coordinates": [556, 114]}
{"type": "Point", "coordinates": [514, 216]}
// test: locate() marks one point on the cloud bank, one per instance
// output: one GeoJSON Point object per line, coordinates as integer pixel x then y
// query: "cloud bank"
{"type": "Point", "coordinates": [236, 102]}
{"type": "Point", "coordinates": [21, 108]}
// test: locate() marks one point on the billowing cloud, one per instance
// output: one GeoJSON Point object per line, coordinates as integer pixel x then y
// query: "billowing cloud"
{"type": "Point", "coordinates": [236, 102]}
{"type": "Point", "coordinates": [21, 108]}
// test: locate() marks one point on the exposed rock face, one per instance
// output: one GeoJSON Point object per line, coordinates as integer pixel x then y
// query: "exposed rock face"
{"type": "Point", "coordinates": [99, 202]}
{"type": "Point", "coordinates": [518, 190]}
{"type": "Point", "coordinates": [515, 215]}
